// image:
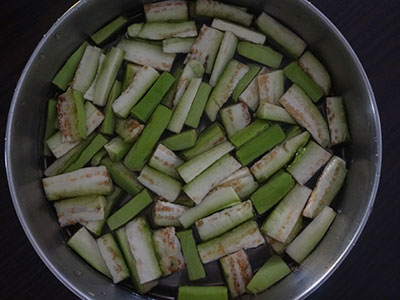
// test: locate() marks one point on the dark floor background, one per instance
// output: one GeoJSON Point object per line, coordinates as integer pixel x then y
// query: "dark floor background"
{"type": "Point", "coordinates": [371, 271]}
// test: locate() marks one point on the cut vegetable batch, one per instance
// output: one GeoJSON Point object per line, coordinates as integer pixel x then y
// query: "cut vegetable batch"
{"type": "Point", "coordinates": [182, 138]}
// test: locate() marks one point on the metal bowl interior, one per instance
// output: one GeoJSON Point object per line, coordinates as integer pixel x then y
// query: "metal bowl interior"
{"type": "Point", "coordinates": [25, 130]}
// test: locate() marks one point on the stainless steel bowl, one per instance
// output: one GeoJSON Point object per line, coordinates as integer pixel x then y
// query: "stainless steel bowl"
{"type": "Point", "coordinates": [26, 122]}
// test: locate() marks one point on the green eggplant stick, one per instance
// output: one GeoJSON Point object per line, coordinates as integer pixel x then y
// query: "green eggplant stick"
{"type": "Point", "coordinates": [95, 145]}
{"type": "Point", "coordinates": [198, 105]}
{"type": "Point", "coordinates": [181, 141]}
{"type": "Point", "coordinates": [262, 143]}
{"type": "Point", "coordinates": [143, 110]}
{"type": "Point", "coordinates": [67, 72]}
{"type": "Point", "coordinates": [81, 113]}
{"type": "Point", "coordinates": [122, 177]}
{"type": "Point", "coordinates": [141, 151]}
{"type": "Point", "coordinates": [109, 30]}
{"type": "Point", "coordinates": [51, 120]}
{"type": "Point", "coordinates": [129, 210]}
{"type": "Point", "coordinates": [107, 127]}
{"type": "Point", "coordinates": [194, 266]}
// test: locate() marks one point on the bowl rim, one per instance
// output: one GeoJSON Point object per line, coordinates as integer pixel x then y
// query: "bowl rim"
{"type": "Point", "coordinates": [378, 162]}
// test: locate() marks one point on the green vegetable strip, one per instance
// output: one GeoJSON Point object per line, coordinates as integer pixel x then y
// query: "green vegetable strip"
{"type": "Point", "coordinates": [271, 112]}
{"type": "Point", "coordinates": [221, 10]}
{"type": "Point", "coordinates": [245, 236]}
{"type": "Point", "coordinates": [215, 201]}
{"type": "Point", "coordinates": [328, 185]}
{"type": "Point", "coordinates": [270, 87]}
{"type": "Point", "coordinates": [147, 54]}
{"type": "Point", "coordinates": [113, 258]}
{"type": "Point", "coordinates": [315, 69]}
{"type": "Point", "coordinates": [74, 210]}
{"type": "Point", "coordinates": [260, 53]}
{"type": "Point", "coordinates": [109, 117]}
{"type": "Point", "coordinates": [308, 161]}
{"type": "Point", "coordinates": [142, 246]}
{"type": "Point", "coordinates": [337, 120]}
{"type": "Point", "coordinates": [298, 76]}
{"type": "Point", "coordinates": [166, 213]}
{"type": "Point", "coordinates": [242, 181]}
{"type": "Point", "coordinates": [165, 30]}
{"type": "Point", "coordinates": [190, 169]}
{"type": "Point", "coordinates": [202, 292]}
{"type": "Point", "coordinates": [122, 177]}
{"type": "Point", "coordinates": [109, 30]}
{"type": "Point", "coordinates": [306, 113]}
{"type": "Point", "coordinates": [178, 45]}
{"type": "Point", "coordinates": [143, 80]}
{"type": "Point", "coordinates": [143, 110]}
{"type": "Point", "coordinates": [260, 144]}
{"type": "Point", "coordinates": [245, 81]}
{"type": "Point", "coordinates": [281, 36]}
{"type": "Point", "coordinates": [306, 241]}
{"type": "Point", "coordinates": [207, 139]}
{"type": "Point", "coordinates": [128, 129]}
{"type": "Point", "coordinates": [205, 48]}
{"type": "Point", "coordinates": [87, 68]}
{"type": "Point", "coordinates": [225, 54]}
{"type": "Point", "coordinates": [95, 145]}
{"type": "Point", "coordinates": [194, 266]}
{"type": "Point", "coordinates": [278, 157]}
{"type": "Point", "coordinates": [199, 187]}
{"type": "Point", "coordinates": [271, 272]}
{"type": "Point", "coordinates": [181, 141]}
{"type": "Point", "coordinates": [107, 76]}
{"type": "Point", "coordinates": [166, 11]}
{"type": "Point", "coordinates": [165, 161]}
{"type": "Point", "coordinates": [130, 72]}
{"type": "Point", "coordinates": [223, 221]}
{"type": "Point", "coordinates": [159, 183]}
{"type": "Point", "coordinates": [198, 105]}
{"type": "Point", "coordinates": [131, 263]}
{"type": "Point", "coordinates": [60, 165]}
{"type": "Point", "coordinates": [250, 94]}
{"type": "Point", "coordinates": [111, 200]}
{"type": "Point", "coordinates": [90, 92]}
{"type": "Point", "coordinates": [233, 72]}
{"type": "Point", "coordinates": [81, 113]}
{"type": "Point", "coordinates": [134, 29]}
{"type": "Point", "coordinates": [235, 117]}
{"type": "Point", "coordinates": [95, 161]}
{"type": "Point", "coordinates": [272, 192]}
{"type": "Point", "coordinates": [183, 107]}
{"type": "Point", "coordinates": [237, 272]}
{"type": "Point", "coordinates": [117, 148]}
{"type": "Point", "coordinates": [168, 250]}
{"type": "Point", "coordinates": [279, 247]}
{"type": "Point", "coordinates": [246, 134]}
{"type": "Point", "coordinates": [85, 245]}
{"type": "Point", "coordinates": [67, 72]}
{"type": "Point", "coordinates": [51, 120]}
{"type": "Point", "coordinates": [285, 215]}
{"type": "Point", "coordinates": [141, 151]}
{"type": "Point", "coordinates": [170, 95]}
{"type": "Point", "coordinates": [82, 182]}
{"type": "Point", "coordinates": [68, 117]}
{"type": "Point", "coordinates": [193, 69]}
{"type": "Point", "coordinates": [129, 210]}
{"type": "Point", "coordinates": [242, 32]}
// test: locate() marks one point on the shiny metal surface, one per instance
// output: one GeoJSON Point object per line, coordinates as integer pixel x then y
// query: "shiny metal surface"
{"type": "Point", "coordinates": [25, 129]}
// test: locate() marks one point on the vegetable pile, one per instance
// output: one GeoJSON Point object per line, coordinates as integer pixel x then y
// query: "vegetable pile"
{"type": "Point", "coordinates": [189, 140]}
